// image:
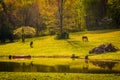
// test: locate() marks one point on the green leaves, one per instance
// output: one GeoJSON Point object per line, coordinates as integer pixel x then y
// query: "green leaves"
{"type": "Point", "coordinates": [114, 10]}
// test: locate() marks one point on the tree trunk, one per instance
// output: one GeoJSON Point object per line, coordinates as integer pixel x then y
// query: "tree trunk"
{"type": "Point", "coordinates": [23, 35]}
{"type": "Point", "coordinates": [60, 9]}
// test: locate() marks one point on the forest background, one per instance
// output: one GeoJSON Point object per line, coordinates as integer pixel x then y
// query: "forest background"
{"type": "Point", "coordinates": [49, 17]}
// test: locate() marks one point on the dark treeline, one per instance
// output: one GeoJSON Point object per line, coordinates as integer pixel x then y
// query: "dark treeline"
{"type": "Point", "coordinates": [51, 16]}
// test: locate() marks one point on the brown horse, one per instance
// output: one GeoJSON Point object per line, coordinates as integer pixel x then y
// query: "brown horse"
{"type": "Point", "coordinates": [85, 38]}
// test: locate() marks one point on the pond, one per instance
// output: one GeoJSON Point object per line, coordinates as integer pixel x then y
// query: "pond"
{"type": "Point", "coordinates": [60, 65]}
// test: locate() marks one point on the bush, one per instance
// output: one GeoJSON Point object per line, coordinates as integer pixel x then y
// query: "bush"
{"type": "Point", "coordinates": [28, 32]}
{"type": "Point", "coordinates": [52, 32]}
{"type": "Point", "coordinates": [5, 34]}
{"type": "Point", "coordinates": [63, 35]}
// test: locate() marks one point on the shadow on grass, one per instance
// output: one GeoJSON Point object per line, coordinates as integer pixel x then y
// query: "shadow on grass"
{"type": "Point", "coordinates": [98, 31]}
{"type": "Point", "coordinates": [74, 44]}
{"type": "Point", "coordinates": [103, 31]}
{"type": "Point", "coordinates": [5, 43]}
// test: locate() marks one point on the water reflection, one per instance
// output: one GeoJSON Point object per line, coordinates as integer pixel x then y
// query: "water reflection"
{"type": "Point", "coordinates": [104, 64]}
{"type": "Point", "coordinates": [25, 67]}
{"type": "Point", "coordinates": [76, 66]}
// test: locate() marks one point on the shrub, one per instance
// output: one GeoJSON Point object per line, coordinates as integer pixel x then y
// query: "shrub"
{"type": "Point", "coordinates": [63, 35]}
{"type": "Point", "coordinates": [52, 32]}
{"type": "Point", "coordinates": [28, 32]}
{"type": "Point", "coordinates": [5, 34]}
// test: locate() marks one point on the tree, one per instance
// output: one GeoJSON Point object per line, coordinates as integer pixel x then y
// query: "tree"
{"type": "Point", "coordinates": [60, 11]}
{"type": "Point", "coordinates": [62, 34]}
{"type": "Point", "coordinates": [95, 12]}
{"type": "Point", "coordinates": [24, 14]}
{"type": "Point", "coordinates": [29, 32]}
{"type": "Point", "coordinates": [114, 11]}
{"type": "Point", "coordinates": [49, 14]}
{"type": "Point", "coordinates": [35, 18]}
{"type": "Point", "coordinates": [6, 23]}
{"type": "Point", "coordinates": [81, 13]}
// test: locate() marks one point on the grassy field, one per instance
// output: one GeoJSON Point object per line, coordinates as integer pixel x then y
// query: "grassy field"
{"type": "Point", "coordinates": [49, 46]}
{"type": "Point", "coordinates": [57, 76]}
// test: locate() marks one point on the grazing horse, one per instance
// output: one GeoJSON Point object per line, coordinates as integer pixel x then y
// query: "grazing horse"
{"type": "Point", "coordinates": [85, 38]}
{"type": "Point", "coordinates": [31, 44]}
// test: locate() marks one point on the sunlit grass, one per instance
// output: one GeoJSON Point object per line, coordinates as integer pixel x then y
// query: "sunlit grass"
{"type": "Point", "coordinates": [56, 76]}
{"type": "Point", "coordinates": [49, 46]}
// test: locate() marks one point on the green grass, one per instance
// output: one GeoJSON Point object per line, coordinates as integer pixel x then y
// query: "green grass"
{"type": "Point", "coordinates": [57, 76]}
{"type": "Point", "coordinates": [49, 46]}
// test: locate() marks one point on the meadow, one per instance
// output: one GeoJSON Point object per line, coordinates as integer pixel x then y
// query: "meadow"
{"type": "Point", "coordinates": [48, 46]}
